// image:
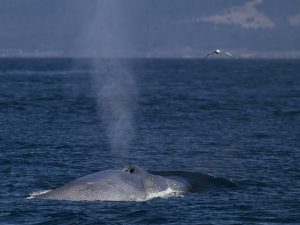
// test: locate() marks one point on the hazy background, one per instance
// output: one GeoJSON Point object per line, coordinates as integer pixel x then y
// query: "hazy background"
{"type": "Point", "coordinates": [156, 28]}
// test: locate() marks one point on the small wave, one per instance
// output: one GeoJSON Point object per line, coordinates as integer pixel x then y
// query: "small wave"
{"type": "Point", "coordinates": [37, 193]}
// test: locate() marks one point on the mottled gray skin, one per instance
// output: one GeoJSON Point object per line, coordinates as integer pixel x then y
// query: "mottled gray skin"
{"type": "Point", "coordinates": [129, 184]}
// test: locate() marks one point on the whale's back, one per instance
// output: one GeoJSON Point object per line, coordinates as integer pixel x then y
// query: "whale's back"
{"type": "Point", "coordinates": [105, 185]}
{"type": "Point", "coordinates": [130, 184]}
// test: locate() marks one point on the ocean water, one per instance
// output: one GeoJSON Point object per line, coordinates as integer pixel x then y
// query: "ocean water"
{"type": "Point", "coordinates": [232, 127]}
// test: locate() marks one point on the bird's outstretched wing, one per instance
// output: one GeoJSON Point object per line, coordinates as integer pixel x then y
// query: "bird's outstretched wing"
{"type": "Point", "coordinates": [227, 53]}
{"type": "Point", "coordinates": [210, 54]}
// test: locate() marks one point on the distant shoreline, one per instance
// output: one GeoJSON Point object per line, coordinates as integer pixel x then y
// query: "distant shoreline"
{"type": "Point", "coordinates": [142, 57]}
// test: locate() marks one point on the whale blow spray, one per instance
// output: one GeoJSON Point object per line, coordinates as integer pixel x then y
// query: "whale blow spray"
{"type": "Point", "coordinates": [107, 37]}
{"type": "Point", "coordinates": [116, 101]}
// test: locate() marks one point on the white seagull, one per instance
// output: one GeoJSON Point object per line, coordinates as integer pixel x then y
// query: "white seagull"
{"type": "Point", "coordinates": [218, 52]}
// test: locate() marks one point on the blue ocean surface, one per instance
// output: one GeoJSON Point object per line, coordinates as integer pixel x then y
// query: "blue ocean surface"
{"type": "Point", "coordinates": [232, 127]}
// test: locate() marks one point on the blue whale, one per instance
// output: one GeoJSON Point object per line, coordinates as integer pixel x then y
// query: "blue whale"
{"type": "Point", "coordinates": [130, 184]}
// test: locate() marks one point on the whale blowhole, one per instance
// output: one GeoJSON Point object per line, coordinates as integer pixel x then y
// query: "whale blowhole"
{"type": "Point", "coordinates": [129, 169]}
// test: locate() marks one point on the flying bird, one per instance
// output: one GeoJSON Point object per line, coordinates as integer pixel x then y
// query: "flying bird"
{"type": "Point", "coordinates": [218, 52]}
